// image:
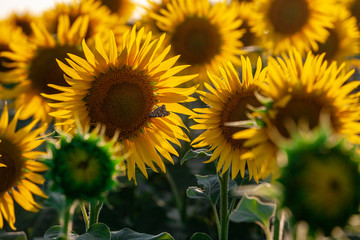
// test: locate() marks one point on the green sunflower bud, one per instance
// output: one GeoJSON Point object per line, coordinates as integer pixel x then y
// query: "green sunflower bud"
{"type": "Point", "coordinates": [321, 181]}
{"type": "Point", "coordinates": [83, 167]}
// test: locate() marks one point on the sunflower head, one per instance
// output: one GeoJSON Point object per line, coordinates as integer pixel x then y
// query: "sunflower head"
{"type": "Point", "coordinates": [342, 42]}
{"type": "Point", "coordinates": [34, 64]}
{"type": "Point", "coordinates": [125, 89]}
{"type": "Point", "coordinates": [320, 181]}
{"type": "Point", "coordinates": [229, 101]}
{"type": "Point", "coordinates": [83, 166]}
{"type": "Point", "coordinates": [23, 21]}
{"type": "Point", "coordinates": [292, 23]}
{"type": "Point", "coordinates": [123, 8]}
{"type": "Point", "coordinates": [8, 33]}
{"type": "Point", "coordinates": [298, 92]}
{"type": "Point", "coordinates": [203, 34]}
{"type": "Point", "coordinates": [99, 18]}
{"type": "Point", "coordinates": [20, 170]}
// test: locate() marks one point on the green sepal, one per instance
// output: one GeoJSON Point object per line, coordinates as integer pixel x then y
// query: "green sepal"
{"type": "Point", "coordinates": [192, 154]}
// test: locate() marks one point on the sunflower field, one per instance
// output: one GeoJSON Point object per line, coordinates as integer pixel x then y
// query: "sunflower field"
{"type": "Point", "coordinates": [181, 119]}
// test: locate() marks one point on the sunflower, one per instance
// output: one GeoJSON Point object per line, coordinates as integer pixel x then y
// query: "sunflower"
{"type": "Point", "coordinates": [21, 172]}
{"type": "Point", "coordinates": [343, 40]}
{"type": "Point", "coordinates": [147, 21]}
{"type": "Point", "coordinates": [122, 8]}
{"type": "Point", "coordinates": [299, 92]}
{"type": "Point", "coordinates": [23, 21]}
{"type": "Point", "coordinates": [35, 65]}
{"type": "Point", "coordinates": [133, 92]}
{"type": "Point", "coordinates": [203, 34]}
{"type": "Point", "coordinates": [99, 17]}
{"type": "Point", "coordinates": [83, 166]}
{"type": "Point", "coordinates": [354, 7]}
{"type": "Point", "coordinates": [251, 39]}
{"type": "Point", "coordinates": [293, 23]}
{"type": "Point", "coordinates": [228, 101]}
{"type": "Point", "coordinates": [320, 181]}
{"type": "Point", "coordinates": [8, 33]}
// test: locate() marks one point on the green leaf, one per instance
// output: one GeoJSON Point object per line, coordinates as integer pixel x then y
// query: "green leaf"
{"type": "Point", "coordinates": [200, 236]}
{"type": "Point", "coordinates": [97, 231]}
{"type": "Point", "coordinates": [210, 189]}
{"type": "Point", "coordinates": [13, 236]}
{"type": "Point", "coordinates": [253, 210]}
{"type": "Point", "coordinates": [191, 154]}
{"type": "Point", "coordinates": [128, 234]}
{"type": "Point", "coordinates": [54, 233]}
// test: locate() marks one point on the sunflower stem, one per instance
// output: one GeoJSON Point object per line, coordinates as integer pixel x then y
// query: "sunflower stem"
{"type": "Point", "coordinates": [176, 195]}
{"type": "Point", "coordinates": [95, 208]}
{"type": "Point", "coordinates": [224, 198]}
{"type": "Point", "coordinates": [67, 221]}
{"type": "Point", "coordinates": [213, 206]}
{"type": "Point", "coordinates": [85, 215]}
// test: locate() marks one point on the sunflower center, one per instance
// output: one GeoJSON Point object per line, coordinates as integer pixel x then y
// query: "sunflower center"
{"type": "Point", "coordinates": [4, 47]}
{"type": "Point", "coordinates": [82, 169]}
{"type": "Point", "coordinates": [328, 190]}
{"type": "Point", "coordinates": [196, 40]}
{"type": "Point", "coordinates": [121, 99]}
{"type": "Point", "coordinates": [45, 70]}
{"type": "Point", "coordinates": [330, 46]}
{"type": "Point", "coordinates": [11, 157]}
{"type": "Point", "coordinates": [249, 37]}
{"type": "Point", "coordinates": [25, 25]}
{"type": "Point", "coordinates": [235, 110]}
{"type": "Point", "coordinates": [113, 5]}
{"type": "Point", "coordinates": [288, 16]}
{"type": "Point", "coordinates": [298, 109]}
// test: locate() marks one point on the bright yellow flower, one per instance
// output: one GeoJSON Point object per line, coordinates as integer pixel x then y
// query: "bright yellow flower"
{"type": "Point", "coordinates": [354, 7]}
{"type": "Point", "coordinates": [23, 21]}
{"type": "Point", "coordinates": [122, 8]}
{"type": "Point", "coordinates": [100, 20]}
{"type": "Point", "coordinates": [203, 34]}
{"type": "Point", "coordinates": [35, 66]}
{"type": "Point", "coordinates": [8, 33]}
{"type": "Point", "coordinates": [343, 41]}
{"type": "Point", "coordinates": [125, 89]}
{"type": "Point", "coordinates": [228, 101]}
{"type": "Point", "coordinates": [300, 92]}
{"type": "Point", "coordinates": [287, 24]}
{"type": "Point", "coordinates": [20, 175]}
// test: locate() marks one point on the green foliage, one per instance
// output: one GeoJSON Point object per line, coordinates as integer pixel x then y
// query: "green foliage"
{"type": "Point", "coordinates": [13, 236]}
{"type": "Point", "coordinates": [97, 231]}
{"type": "Point", "coordinates": [192, 154]}
{"type": "Point", "coordinates": [54, 233]}
{"type": "Point", "coordinates": [252, 210]}
{"type": "Point", "coordinates": [128, 234]}
{"type": "Point", "coordinates": [200, 236]}
{"type": "Point", "coordinates": [210, 189]}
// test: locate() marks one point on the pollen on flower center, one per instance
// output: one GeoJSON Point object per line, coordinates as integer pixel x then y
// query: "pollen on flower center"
{"type": "Point", "coordinates": [11, 157]}
{"type": "Point", "coordinates": [196, 40]}
{"type": "Point", "coordinates": [122, 99]}
{"type": "Point", "coordinates": [44, 70]}
{"type": "Point", "coordinates": [235, 110]}
{"type": "Point", "coordinates": [288, 16]}
{"type": "Point", "coordinates": [298, 109]}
